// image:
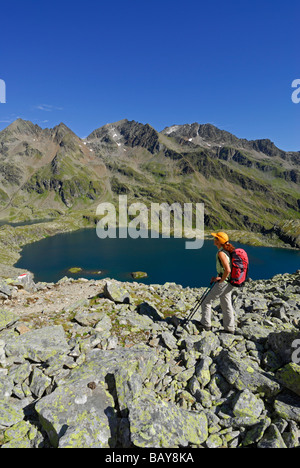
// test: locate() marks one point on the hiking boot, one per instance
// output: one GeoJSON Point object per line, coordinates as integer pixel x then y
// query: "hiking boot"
{"type": "Point", "coordinates": [200, 326]}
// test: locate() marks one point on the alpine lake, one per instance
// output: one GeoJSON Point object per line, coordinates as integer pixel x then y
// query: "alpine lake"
{"type": "Point", "coordinates": [163, 259]}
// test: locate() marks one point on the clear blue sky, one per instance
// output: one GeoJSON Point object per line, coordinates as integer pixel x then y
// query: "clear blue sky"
{"type": "Point", "coordinates": [230, 63]}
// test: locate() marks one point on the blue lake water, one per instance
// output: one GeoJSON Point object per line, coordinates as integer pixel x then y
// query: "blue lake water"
{"type": "Point", "coordinates": [165, 260]}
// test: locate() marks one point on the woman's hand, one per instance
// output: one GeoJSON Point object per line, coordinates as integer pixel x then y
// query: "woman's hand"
{"type": "Point", "coordinates": [215, 279]}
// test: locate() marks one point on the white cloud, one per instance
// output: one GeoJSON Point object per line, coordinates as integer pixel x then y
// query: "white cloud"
{"type": "Point", "coordinates": [48, 108]}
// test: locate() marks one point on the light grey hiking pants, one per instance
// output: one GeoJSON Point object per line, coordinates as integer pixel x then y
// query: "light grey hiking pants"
{"type": "Point", "coordinates": [222, 291]}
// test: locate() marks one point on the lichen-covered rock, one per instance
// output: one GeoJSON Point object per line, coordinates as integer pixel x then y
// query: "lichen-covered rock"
{"type": "Point", "coordinates": [289, 376]}
{"type": "Point", "coordinates": [6, 386]}
{"type": "Point", "coordinates": [39, 345]}
{"type": "Point", "coordinates": [255, 434]}
{"type": "Point", "coordinates": [247, 404]}
{"type": "Point", "coordinates": [103, 324]}
{"type": "Point", "coordinates": [156, 424]}
{"type": "Point", "coordinates": [149, 310]}
{"type": "Point", "coordinates": [21, 435]}
{"type": "Point", "coordinates": [214, 441]}
{"type": "Point", "coordinates": [256, 332]}
{"type": "Point", "coordinates": [245, 374]}
{"type": "Point", "coordinates": [84, 407]}
{"type": "Point", "coordinates": [288, 407]}
{"type": "Point", "coordinates": [79, 415]}
{"type": "Point", "coordinates": [23, 443]}
{"type": "Point", "coordinates": [7, 318]}
{"type": "Point", "coordinates": [272, 439]}
{"type": "Point", "coordinates": [39, 383]}
{"type": "Point", "coordinates": [291, 438]}
{"type": "Point", "coordinates": [169, 340]}
{"type": "Point", "coordinates": [116, 292]}
{"type": "Point", "coordinates": [202, 372]}
{"type": "Point", "coordinates": [20, 373]}
{"type": "Point", "coordinates": [206, 343]}
{"type": "Point", "coordinates": [5, 289]}
{"type": "Point", "coordinates": [99, 363]}
{"type": "Point", "coordinates": [11, 412]}
{"type": "Point", "coordinates": [129, 385]}
{"type": "Point", "coordinates": [140, 322]}
{"type": "Point", "coordinates": [2, 353]}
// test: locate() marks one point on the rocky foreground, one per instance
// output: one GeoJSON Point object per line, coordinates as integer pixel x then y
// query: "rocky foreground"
{"type": "Point", "coordinates": [108, 364]}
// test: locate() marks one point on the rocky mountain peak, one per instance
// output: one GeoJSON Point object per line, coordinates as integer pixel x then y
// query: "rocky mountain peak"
{"type": "Point", "coordinates": [201, 133]}
{"type": "Point", "coordinates": [268, 147]}
{"type": "Point", "coordinates": [60, 131]}
{"type": "Point", "coordinates": [137, 134]}
{"type": "Point", "coordinates": [22, 127]}
{"type": "Point", "coordinates": [128, 133]}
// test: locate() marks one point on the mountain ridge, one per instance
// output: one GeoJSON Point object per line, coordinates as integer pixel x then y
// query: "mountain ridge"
{"type": "Point", "coordinates": [244, 184]}
{"type": "Point", "coordinates": [21, 124]}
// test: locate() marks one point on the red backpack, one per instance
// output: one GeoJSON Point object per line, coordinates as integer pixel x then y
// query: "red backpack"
{"type": "Point", "coordinates": [239, 268]}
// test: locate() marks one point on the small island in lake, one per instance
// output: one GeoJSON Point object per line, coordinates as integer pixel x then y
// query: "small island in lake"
{"type": "Point", "coordinates": [139, 274]}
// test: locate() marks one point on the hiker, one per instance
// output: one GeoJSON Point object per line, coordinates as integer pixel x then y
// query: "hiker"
{"type": "Point", "coordinates": [221, 289]}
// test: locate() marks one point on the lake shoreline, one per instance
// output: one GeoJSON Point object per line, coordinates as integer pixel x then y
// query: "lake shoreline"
{"type": "Point", "coordinates": [13, 239]}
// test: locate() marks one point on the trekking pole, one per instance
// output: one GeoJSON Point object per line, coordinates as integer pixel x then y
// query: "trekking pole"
{"type": "Point", "coordinates": [198, 304]}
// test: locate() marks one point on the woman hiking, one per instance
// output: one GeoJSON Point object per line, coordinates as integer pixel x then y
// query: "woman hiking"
{"type": "Point", "coordinates": [222, 289]}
